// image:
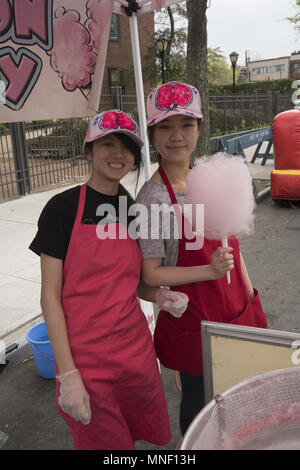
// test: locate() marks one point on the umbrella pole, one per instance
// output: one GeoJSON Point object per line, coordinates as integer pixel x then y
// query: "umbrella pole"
{"type": "Point", "coordinates": [140, 91]}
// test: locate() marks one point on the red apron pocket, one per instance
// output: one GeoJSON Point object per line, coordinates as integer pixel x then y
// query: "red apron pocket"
{"type": "Point", "coordinates": [252, 315]}
{"type": "Point", "coordinates": [178, 349]}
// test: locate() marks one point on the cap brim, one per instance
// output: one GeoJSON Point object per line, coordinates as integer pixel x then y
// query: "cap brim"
{"type": "Point", "coordinates": [165, 114]}
{"type": "Point", "coordinates": [130, 134]}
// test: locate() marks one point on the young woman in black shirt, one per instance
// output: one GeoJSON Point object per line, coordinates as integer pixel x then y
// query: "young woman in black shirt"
{"type": "Point", "coordinates": [109, 389]}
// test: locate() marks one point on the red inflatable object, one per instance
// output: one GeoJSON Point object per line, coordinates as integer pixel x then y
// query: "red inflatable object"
{"type": "Point", "coordinates": [285, 178]}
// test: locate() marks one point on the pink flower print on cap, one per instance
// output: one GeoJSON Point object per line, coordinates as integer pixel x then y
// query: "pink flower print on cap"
{"type": "Point", "coordinates": [173, 98]}
{"type": "Point", "coordinates": [109, 121]}
{"type": "Point", "coordinates": [112, 121]}
{"type": "Point", "coordinates": [115, 119]}
{"type": "Point", "coordinates": [169, 96]}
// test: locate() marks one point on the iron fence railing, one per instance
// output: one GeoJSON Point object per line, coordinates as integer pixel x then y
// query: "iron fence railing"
{"type": "Point", "coordinates": [41, 155]}
{"type": "Point", "coordinates": [239, 112]}
{"type": "Point", "coordinates": [283, 102]}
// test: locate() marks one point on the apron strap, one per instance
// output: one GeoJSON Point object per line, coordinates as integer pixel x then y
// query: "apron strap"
{"type": "Point", "coordinates": [168, 184]}
{"type": "Point", "coordinates": [80, 208]}
{"type": "Point", "coordinates": [176, 207]}
{"type": "Point", "coordinates": [77, 222]}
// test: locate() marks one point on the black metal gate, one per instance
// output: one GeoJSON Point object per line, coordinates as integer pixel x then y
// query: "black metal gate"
{"type": "Point", "coordinates": [41, 155]}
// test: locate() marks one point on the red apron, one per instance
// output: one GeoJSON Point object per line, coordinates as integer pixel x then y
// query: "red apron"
{"type": "Point", "coordinates": [178, 340]}
{"type": "Point", "coordinates": [110, 341]}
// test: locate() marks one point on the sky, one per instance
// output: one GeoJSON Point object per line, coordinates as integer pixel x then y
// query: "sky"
{"type": "Point", "coordinates": [258, 26]}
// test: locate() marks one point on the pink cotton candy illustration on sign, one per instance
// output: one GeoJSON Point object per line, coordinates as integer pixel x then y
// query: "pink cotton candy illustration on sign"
{"type": "Point", "coordinates": [96, 22]}
{"type": "Point", "coordinates": [71, 55]}
{"type": "Point", "coordinates": [223, 184]}
{"type": "Point", "coordinates": [172, 95]}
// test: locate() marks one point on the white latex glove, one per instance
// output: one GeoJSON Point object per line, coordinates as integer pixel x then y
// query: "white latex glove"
{"type": "Point", "coordinates": [172, 301]}
{"type": "Point", "coordinates": [73, 398]}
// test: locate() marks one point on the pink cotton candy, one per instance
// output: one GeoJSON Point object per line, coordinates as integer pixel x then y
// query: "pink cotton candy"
{"type": "Point", "coordinates": [223, 184]}
{"type": "Point", "coordinates": [97, 12]}
{"type": "Point", "coordinates": [71, 55]}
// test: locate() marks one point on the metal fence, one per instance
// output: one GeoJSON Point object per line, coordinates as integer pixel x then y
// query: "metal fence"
{"type": "Point", "coordinates": [40, 155]}
{"type": "Point", "coordinates": [283, 102]}
{"type": "Point", "coordinates": [232, 113]}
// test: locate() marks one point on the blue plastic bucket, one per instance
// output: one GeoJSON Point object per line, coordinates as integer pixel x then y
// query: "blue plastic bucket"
{"type": "Point", "coordinates": [42, 350]}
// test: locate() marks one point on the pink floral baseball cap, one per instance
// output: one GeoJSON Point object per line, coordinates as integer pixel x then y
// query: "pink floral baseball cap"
{"type": "Point", "coordinates": [173, 98]}
{"type": "Point", "coordinates": [112, 121]}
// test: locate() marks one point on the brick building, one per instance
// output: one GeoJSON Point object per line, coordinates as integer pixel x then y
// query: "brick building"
{"type": "Point", "coordinates": [119, 63]}
{"type": "Point", "coordinates": [295, 65]}
{"type": "Point", "coordinates": [274, 69]}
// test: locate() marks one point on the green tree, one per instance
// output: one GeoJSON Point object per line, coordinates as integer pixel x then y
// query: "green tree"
{"type": "Point", "coordinates": [296, 18]}
{"type": "Point", "coordinates": [197, 64]}
{"type": "Point", "coordinates": [170, 24]}
{"type": "Point", "coordinates": [219, 72]}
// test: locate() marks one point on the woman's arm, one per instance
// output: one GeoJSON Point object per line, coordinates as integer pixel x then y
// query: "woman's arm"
{"type": "Point", "coordinates": [51, 269]}
{"type": "Point", "coordinates": [166, 299]}
{"type": "Point", "coordinates": [146, 292]}
{"type": "Point", "coordinates": [155, 274]}
{"type": "Point", "coordinates": [246, 277]}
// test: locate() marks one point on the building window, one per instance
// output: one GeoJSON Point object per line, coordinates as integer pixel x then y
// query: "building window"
{"type": "Point", "coordinates": [115, 77]}
{"type": "Point", "coordinates": [260, 70]}
{"type": "Point", "coordinates": [277, 68]}
{"type": "Point", "coordinates": [296, 67]}
{"type": "Point", "coordinates": [114, 34]}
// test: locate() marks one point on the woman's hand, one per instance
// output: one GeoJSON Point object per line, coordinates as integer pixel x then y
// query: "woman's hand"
{"type": "Point", "coordinates": [73, 398]}
{"type": "Point", "coordinates": [221, 262]}
{"type": "Point", "coordinates": [172, 301]}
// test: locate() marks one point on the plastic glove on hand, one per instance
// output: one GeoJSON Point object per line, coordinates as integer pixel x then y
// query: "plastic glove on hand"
{"type": "Point", "coordinates": [172, 302]}
{"type": "Point", "coordinates": [73, 398]}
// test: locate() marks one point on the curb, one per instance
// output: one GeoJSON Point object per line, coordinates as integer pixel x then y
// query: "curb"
{"type": "Point", "coordinates": [264, 193]}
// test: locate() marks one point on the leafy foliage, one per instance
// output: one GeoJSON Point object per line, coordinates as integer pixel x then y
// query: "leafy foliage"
{"type": "Point", "coordinates": [296, 18]}
{"type": "Point", "coordinates": [281, 86]}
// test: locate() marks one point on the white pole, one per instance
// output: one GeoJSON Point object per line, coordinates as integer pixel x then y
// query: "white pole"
{"type": "Point", "coordinates": [140, 92]}
{"type": "Point", "coordinates": [147, 307]}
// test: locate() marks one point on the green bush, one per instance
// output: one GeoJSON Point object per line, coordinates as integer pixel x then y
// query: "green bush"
{"type": "Point", "coordinates": [280, 86]}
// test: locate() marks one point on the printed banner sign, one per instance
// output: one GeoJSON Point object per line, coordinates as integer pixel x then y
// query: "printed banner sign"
{"type": "Point", "coordinates": [156, 4]}
{"type": "Point", "coordinates": [145, 6]}
{"type": "Point", "coordinates": [52, 57]}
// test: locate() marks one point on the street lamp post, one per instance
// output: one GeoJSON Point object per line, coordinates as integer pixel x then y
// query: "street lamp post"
{"type": "Point", "coordinates": [161, 45]}
{"type": "Point", "coordinates": [233, 59]}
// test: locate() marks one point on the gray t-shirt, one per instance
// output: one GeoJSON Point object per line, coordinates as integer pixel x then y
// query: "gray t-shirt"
{"type": "Point", "coordinates": [161, 241]}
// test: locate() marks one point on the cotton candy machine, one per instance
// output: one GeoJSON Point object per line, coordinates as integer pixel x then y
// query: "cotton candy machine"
{"type": "Point", "coordinates": [260, 413]}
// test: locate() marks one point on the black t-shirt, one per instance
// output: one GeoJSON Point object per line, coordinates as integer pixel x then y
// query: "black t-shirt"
{"type": "Point", "coordinates": [56, 221]}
